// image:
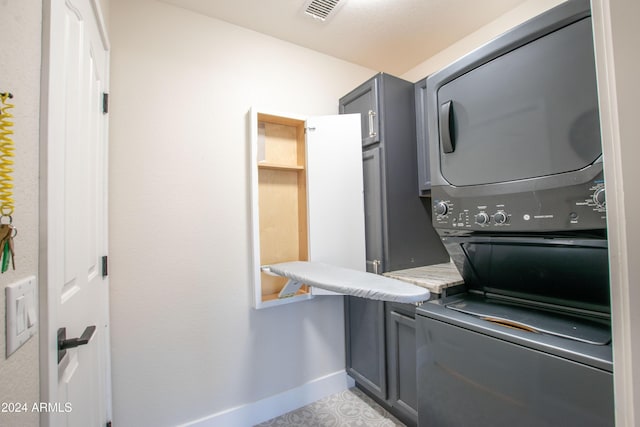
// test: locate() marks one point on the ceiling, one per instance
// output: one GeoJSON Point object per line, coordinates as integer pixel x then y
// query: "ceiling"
{"type": "Point", "coordinates": [385, 35]}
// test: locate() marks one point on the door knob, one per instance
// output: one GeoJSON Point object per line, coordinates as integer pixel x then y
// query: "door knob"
{"type": "Point", "coordinates": [64, 343]}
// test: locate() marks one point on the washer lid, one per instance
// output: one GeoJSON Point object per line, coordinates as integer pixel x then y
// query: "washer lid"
{"type": "Point", "coordinates": [535, 321]}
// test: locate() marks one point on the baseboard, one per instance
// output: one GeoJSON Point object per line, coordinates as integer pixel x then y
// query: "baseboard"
{"type": "Point", "coordinates": [254, 413]}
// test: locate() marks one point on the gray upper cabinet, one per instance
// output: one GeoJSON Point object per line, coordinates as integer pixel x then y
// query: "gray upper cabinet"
{"type": "Point", "coordinates": [364, 100]}
{"type": "Point", "coordinates": [422, 135]}
{"type": "Point", "coordinates": [398, 228]}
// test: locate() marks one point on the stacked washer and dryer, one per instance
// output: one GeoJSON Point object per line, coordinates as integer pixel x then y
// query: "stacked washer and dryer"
{"type": "Point", "coordinates": [519, 202]}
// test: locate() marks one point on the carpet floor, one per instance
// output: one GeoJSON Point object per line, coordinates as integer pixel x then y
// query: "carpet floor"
{"type": "Point", "coordinates": [350, 408]}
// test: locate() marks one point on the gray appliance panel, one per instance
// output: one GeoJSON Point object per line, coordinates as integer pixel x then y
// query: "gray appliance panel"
{"type": "Point", "coordinates": [570, 273]}
{"type": "Point", "coordinates": [542, 322]}
{"type": "Point", "coordinates": [519, 38]}
{"type": "Point", "coordinates": [531, 112]}
{"type": "Point", "coordinates": [505, 171]}
{"type": "Point", "coordinates": [467, 377]}
{"type": "Point", "coordinates": [596, 356]}
{"type": "Point", "coordinates": [541, 204]}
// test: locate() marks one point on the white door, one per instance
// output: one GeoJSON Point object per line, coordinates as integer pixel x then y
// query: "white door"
{"type": "Point", "coordinates": [74, 219]}
{"type": "Point", "coordinates": [335, 188]}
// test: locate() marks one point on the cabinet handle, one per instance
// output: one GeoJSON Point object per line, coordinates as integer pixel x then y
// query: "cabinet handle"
{"type": "Point", "coordinates": [372, 114]}
{"type": "Point", "coordinates": [446, 134]}
{"type": "Point", "coordinates": [376, 266]}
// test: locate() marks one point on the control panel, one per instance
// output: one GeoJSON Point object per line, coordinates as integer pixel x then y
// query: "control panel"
{"type": "Point", "coordinates": [576, 207]}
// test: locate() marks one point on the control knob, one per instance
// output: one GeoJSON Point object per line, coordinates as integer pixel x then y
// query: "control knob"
{"type": "Point", "coordinates": [500, 217]}
{"type": "Point", "coordinates": [482, 218]}
{"type": "Point", "coordinates": [442, 208]}
{"type": "Point", "coordinates": [599, 198]}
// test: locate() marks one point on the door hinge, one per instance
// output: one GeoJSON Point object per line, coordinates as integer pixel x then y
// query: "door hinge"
{"type": "Point", "coordinates": [105, 103]}
{"type": "Point", "coordinates": [376, 266]}
{"type": "Point", "coordinates": [105, 266]}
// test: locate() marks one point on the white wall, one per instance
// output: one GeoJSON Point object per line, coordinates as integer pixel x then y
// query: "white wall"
{"type": "Point", "coordinates": [518, 15]}
{"type": "Point", "coordinates": [20, 74]}
{"type": "Point", "coordinates": [185, 341]}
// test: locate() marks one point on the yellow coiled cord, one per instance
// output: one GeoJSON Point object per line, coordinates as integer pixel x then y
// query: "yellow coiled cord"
{"type": "Point", "coordinates": [7, 152]}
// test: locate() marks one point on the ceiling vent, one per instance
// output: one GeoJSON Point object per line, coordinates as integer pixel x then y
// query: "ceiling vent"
{"type": "Point", "coordinates": [321, 9]}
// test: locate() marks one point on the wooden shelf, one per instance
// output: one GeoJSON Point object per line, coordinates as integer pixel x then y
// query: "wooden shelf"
{"type": "Point", "coordinates": [279, 166]}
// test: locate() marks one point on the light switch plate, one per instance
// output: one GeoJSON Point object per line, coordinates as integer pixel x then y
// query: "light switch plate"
{"type": "Point", "coordinates": [21, 311]}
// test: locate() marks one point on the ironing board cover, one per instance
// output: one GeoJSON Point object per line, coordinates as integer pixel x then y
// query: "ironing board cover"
{"type": "Point", "coordinates": [349, 282]}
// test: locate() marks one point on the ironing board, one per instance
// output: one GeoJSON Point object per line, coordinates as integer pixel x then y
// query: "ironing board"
{"type": "Point", "coordinates": [344, 281]}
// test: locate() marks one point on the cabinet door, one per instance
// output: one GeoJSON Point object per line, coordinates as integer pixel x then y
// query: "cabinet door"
{"type": "Point", "coordinates": [401, 353]}
{"type": "Point", "coordinates": [364, 100]}
{"type": "Point", "coordinates": [424, 175]}
{"type": "Point", "coordinates": [335, 192]}
{"type": "Point", "coordinates": [522, 112]}
{"type": "Point", "coordinates": [365, 344]}
{"type": "Point", "coordinates": [373, 210]}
